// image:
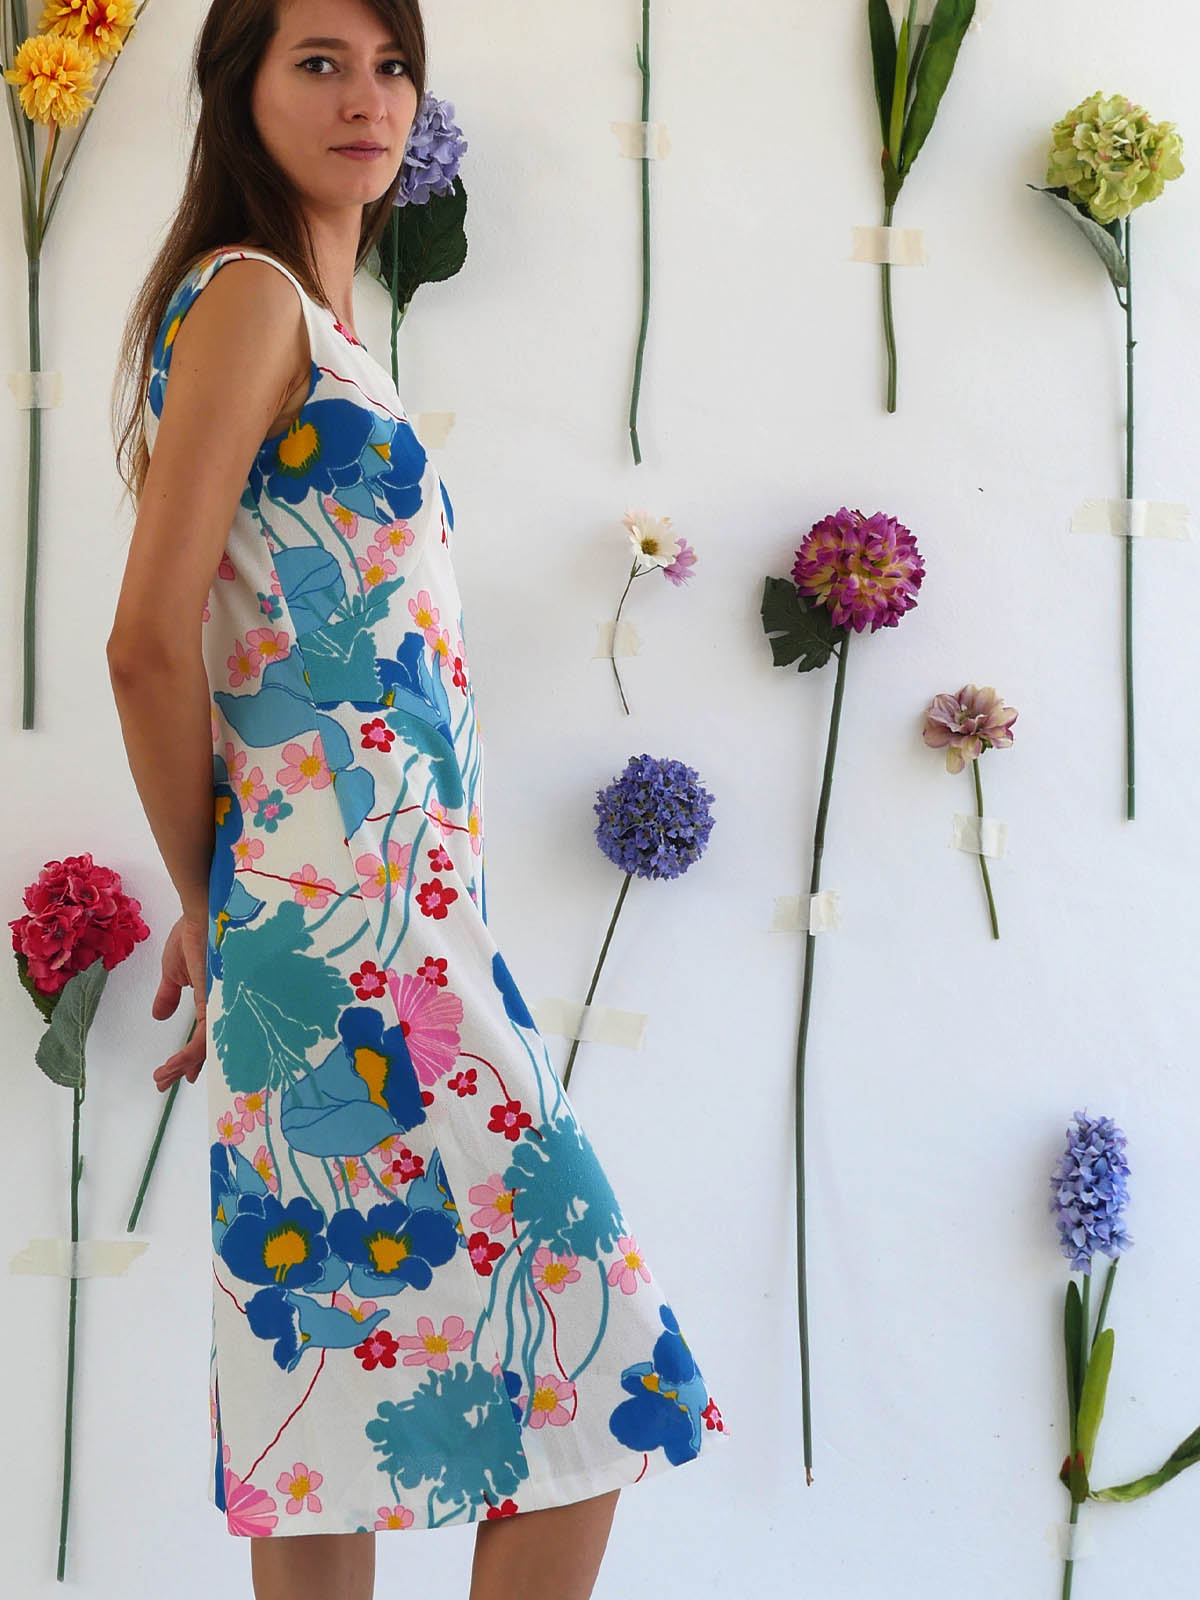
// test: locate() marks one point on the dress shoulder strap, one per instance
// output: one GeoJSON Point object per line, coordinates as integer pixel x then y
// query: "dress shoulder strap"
{"type": "Point", "coordinates": [240, 252]}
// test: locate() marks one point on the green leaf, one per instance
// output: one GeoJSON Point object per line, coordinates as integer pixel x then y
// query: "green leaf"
{"type": "Point", "coordinates": [949, 23]}
{"type": "Point", "coordinates": [60, 1052]}
{"type": "Point", "coordinates": [883, 59]}
{"type": "Point", "coordinates": [1183, 1456]}
{"type": "Point", "coordinates": [44, 1002]}
{"type": "Point", "coordinates": [1073, 1339]}
{"type": "Point", "coordinates": [799, 629]}
{"type": "Point", "coordinates": [433, 243]}
{"type": "Point", "coordinates": [1095, 1387]}
{"type": "Point", "coordinates": [899, 94]}
{"type": "Point", "coordinates": [1104, 239]}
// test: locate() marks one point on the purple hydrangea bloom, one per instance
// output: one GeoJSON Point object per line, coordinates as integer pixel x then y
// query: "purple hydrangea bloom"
{"type": "Point", "coordinates": [654, 818]}
{"type": "Point", "coordinates": [1090, 1192]}
{"type": "Point", "coordinates": [432, 155]}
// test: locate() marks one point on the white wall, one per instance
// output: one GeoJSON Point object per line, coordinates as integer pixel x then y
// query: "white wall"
{"type": "Point", "coordinates": [944, 1067]}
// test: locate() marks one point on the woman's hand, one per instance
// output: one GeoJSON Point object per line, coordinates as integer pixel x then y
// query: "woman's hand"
{"type": "Point", "coordinates": [184, 965]}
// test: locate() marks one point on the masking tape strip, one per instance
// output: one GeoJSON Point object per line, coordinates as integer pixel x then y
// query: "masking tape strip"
{"type": "Point", "coordinates": [591, 1024]}
{"type": "Point", "coordinates": [896, 247]}
{"type": "Point", "coordinates": [982, 836]}
{"type": "Point", "coordinates": [85, 1258]}
{"type": "Point", "coordinates": [1071, 1541]}
{"type": "Point", "coordinates": [1140, 519]}
{"type": "Point", "coordinates": [925, 10]}
{"type": "Point", "coordinates": [432, 427]}
{"type": "Point", "coordinates": [807, 913]}
{"type": "Point", "coordinates": [626, 641]}
{"type": "Point", "coordinates": [642, 140]}
{"type": "Point", "coordinates": [36, 390]}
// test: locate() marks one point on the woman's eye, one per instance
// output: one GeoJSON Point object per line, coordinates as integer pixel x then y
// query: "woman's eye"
{"type": "Point", "coordinates": [392, 62]}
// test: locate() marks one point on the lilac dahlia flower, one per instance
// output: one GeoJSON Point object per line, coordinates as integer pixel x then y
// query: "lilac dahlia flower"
{"type": "Point", "coordinates": [654, 818]}
{"type": "Point", "coordinates": [968, 723]}
{"type": "Point", "coordinates": [865, 570]}
{"type": "Point", "coordinates": [1089, 1191]}
{"type": "Point", "coordinates": [432, 155]}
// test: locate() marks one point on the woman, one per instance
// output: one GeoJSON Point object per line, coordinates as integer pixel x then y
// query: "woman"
{"type": "Point", "coordinates": [428, 1308]}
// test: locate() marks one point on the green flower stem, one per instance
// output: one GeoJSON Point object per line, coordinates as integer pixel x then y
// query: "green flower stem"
{"type": "Point", "coordinates": [643, 61]}
{"type": "Point", "coordinates": [1104, 1298]}
{"type": "Point", "coordinates": [1129, 344]}
{"type": "Point", "coordinates": [802, 1045]}
{"type": "Point", "coordinates": [889, 327]}
{"type": "Point", "coordinates": [33, 502]}
{"type": "Point", "coordinates": [1084, 1349]}
{"type": "Point", "coordinates": [76, 1168]}
{"type": "Point", "coordinates": [633, 573]}
{"type": "Point", "coordinates": [566, 1077]}
{"type": "Point", "coordinates": [987, 882]}
{"type": "Point", "coordinates": [158, 1137]}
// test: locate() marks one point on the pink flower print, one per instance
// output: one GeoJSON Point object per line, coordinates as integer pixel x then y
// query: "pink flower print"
{"type": "Point", "coordinates": [230, 1129]}
{"type": "Point", "coordinates": [440, 817]}
{"type": "Point", "coordinates": [212, 1415]}
{"type": "Point", "coordinates": [248, 1511]}
{"type": "Point", "coordinates": [495, 1204]}
{"type": "Point", "coordinates": [428, 1349]}
{"type": "Point", "coordinates": [243, 664]}
{"type": "Point", "coordinates": [425, 614]}
{"type": "Point", "coordinates": [623, 1274]}
{"type": "Point", "coordinates": [551, 1395]}
{"type": "Point", "coordinates": [390, 1180]}
{"type": "Point", "coordinates": [395, 1517]}
{"type": "Point", "coordinates": [252, 1108]}
{"type": "Point", "coordinates": [552, 1271]}
{"type": "Point", "coordinates": [309, 889]}
{"type": "Point", "coordinates": [299, 1486]}
{"type": "Point", "coordinates": [383, 1150]}
{"type": "Point", "coordinates": [303, 767]}
{"type": "Point", "coordinates": [225, 568]}
{"type": "Point", "coordinates": [341, 516]}
{"type": "Point", "coordinates": [251, 789]}
{"type": "Point", "coordinates": [206, 614]}
{"type": "Point", "coordinates": [265, 1168]}
{"type": "Point", "coordinates": [235, 760]}
{"type": "Point", "coordinates": [429, 1019]}
{"type": "Point", "coordinates": [360, 1312]}
{"type": "Point", "coordinates": [394, 536]}
{"type": "Point", "coordinates": [357, 1176]}
{"type": "Point", "coordinates": [271, 645]}
{"type": "Point", "coordinates": [475, 828]}
{"type": "Point", "coordinates": [376, 566]}
{"type": "Point", "coordinates": [441, 646]}
{"type": "Point", "coordinates": [374, 878]}
{"type": "Point", "coordinates": [246, 852]}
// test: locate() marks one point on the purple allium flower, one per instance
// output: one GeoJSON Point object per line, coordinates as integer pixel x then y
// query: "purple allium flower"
{"type": "Point", "coordinates": [968, 723]}
{"type": "Point", "coordinates": [432, 155]}
{"type": "Point", "coordinates": [865, 570]}
{"type": "Point", "coordinates": [680, 570]}
{"type": "Point", "coordinates": [1089, 1191]}
{"type": "Point", "coordinates": [654, 818]}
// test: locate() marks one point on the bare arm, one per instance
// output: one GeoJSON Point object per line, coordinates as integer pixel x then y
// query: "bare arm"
{"type": "Point", "coordinates": [234, 358]}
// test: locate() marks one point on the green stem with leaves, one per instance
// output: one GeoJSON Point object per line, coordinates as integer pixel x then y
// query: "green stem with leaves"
{"type": "Point", "coordinates": [835, 718]}
{"type": "Point", "coordinates": [889, 326]}
{"type": "Point", "coordinates": [566, 1077]}
{"type": "Point", "coordinates": [643, 61]}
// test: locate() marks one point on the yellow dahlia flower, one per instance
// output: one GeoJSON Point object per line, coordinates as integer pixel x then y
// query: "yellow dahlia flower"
{"type": "Point", "coordinates": [54, 73]}
{"type": "Point", "coordinates": [101, 25]}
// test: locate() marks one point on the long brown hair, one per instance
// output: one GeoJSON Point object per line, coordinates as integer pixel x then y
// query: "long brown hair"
{"type": "Point", "coordinates": [234, 190]}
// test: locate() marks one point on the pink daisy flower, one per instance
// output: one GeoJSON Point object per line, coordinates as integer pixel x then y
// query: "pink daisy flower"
{"type": "Point", "coordinates": [303, 767]}
{"type": "Point", "coordinates": [300, 1485]}
{"type": "Point", "coordinates": [623, 1274]}
{"type": "Point", "coordinates": [311, 890]}
{"type": "Point", "coordinates": [429, 1019]}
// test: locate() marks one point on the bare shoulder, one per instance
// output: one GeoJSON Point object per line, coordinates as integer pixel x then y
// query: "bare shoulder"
{"type": "Point", "coordinates": [247, 314]}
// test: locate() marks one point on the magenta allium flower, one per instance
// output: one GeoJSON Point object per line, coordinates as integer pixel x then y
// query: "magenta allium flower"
{"type": "Point", "coordinates": [968, 723]}
{"type": "Point", "coordinates": [865, 570]}
{"type": "Point", "coordinates": [680, 570]}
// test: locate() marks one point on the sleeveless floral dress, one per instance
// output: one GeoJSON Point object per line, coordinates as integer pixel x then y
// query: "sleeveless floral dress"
{"type": "Point", "coordinates": [428, 1306]}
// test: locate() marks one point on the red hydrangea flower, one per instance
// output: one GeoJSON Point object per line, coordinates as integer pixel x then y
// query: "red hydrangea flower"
{"type": "Point", "coordinates": [78, 913]}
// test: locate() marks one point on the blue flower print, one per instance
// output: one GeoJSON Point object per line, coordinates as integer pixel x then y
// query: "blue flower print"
{"type": "Point", "coordinates": [296, 1323]}
{"type": "Point", "coordinates": [272, 811]}
{"type": "Point", "coordinates": [669, 1394]}
{"type": "Point", "coordinates": [364, 1090]}
{"type": "Point", "coordinates": [393, 1246]}
{"type": "Point", "coordinates": [270, 1243]}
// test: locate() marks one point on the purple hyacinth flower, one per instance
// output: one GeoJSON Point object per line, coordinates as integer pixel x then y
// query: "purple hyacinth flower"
{"type": "Point", "coordinates": [432, 155]}
{"type": "Point", "coordinates": [1090, 1192]}
{"type": "Point", "coordinates": [654, 818]}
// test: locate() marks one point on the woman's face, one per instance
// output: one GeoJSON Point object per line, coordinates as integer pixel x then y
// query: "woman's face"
{"type": "Point", "coordinates": [332, 76]}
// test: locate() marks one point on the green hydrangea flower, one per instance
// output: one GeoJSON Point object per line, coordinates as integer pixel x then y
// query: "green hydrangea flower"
{"type": "Point", "coordinates": [1111, 158]}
